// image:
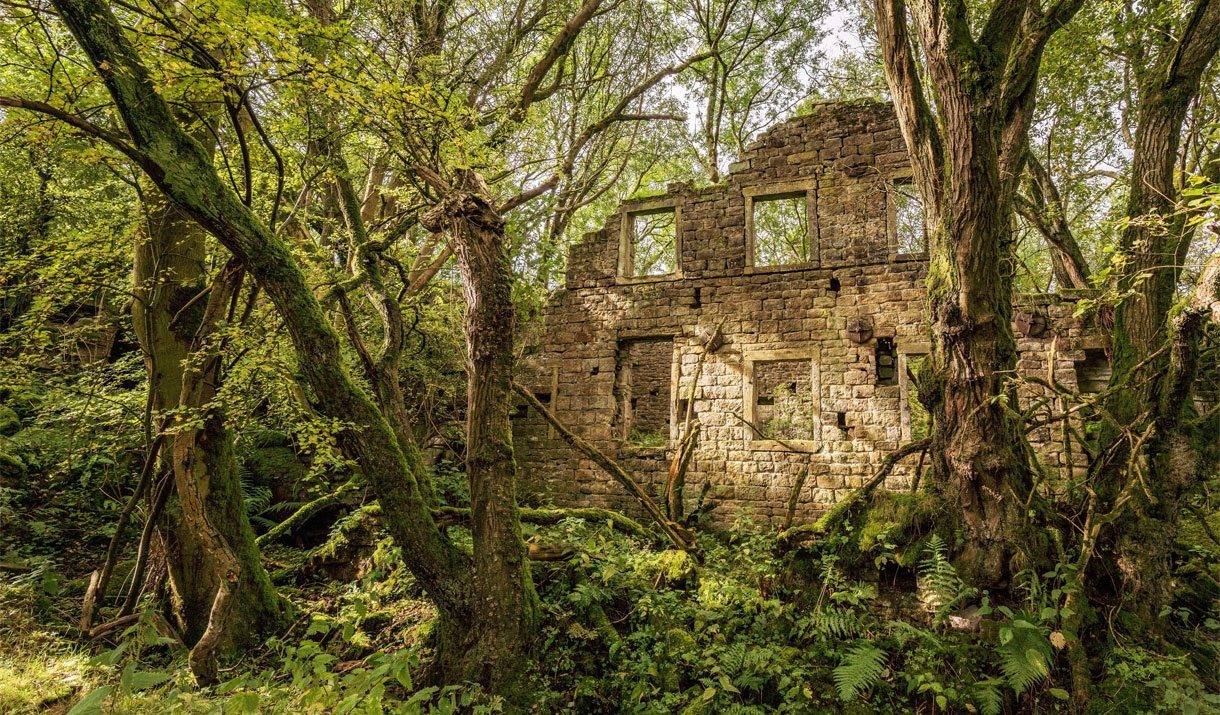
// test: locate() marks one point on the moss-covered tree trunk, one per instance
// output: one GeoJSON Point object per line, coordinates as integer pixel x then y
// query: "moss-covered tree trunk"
{"type": "Point", "coordinates": [965, 157]}
{"type": "Point", "coordinates": [977, 442]}
{"type": "Point", "coordinates": [1152, 347]}
{"type": "Point", "coordinates": [168, 313]}
{"type": "Point", "coordinates": [182, 169]}
{"type": "Point", "coordinates": [504, 604]}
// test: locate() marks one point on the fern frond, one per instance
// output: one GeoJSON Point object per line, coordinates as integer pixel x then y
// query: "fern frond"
{"type": "Point", "coordinates": [257, 498]}
{"type": "Point", "coordinates": [1025, 655]}
{"type": "Point", "coordinates": [987, 696]}
{"type": "Point", "coordinates": [943, 588]}
{"type": "Point", "coordinates": [287, 508]}
{"type": "Point", "coordinates": [859, 670]}
{"type": "Point", "coordinates": [835, 624]}
{"type": "Point", "coordinates": [264, 522]}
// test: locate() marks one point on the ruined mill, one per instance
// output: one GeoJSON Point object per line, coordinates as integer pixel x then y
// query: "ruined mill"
{"type": "Point", "coordinates": [810, 259]}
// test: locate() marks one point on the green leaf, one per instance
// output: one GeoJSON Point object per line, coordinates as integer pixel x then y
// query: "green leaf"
{"type": "Point", "coordinates": [91, 704]}
{"type": "Point", "coordinates": [727, 685]}
{"type": "Point", "coordinates": [110, 657]}
{"type": "Point", "coordinates": [1059, 694]}
{"type": "Point", "coordinates": [148, 679]}
{"type": "Point", "coordinates": [244, 702]}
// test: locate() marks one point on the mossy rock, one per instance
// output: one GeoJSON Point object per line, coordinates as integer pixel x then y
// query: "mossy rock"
{"type": "Point", "coordinates": [279, 468]}
{"type": "Point", "coordinates": [10, 423]}
{"type": "Point", "coordinates": [12, 469]}
{"type": "Point", "coordinates": [25, 404]}
{"type": "Point", "coordinates": [677, 568]}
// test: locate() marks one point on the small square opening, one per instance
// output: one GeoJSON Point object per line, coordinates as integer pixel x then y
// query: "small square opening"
{"type": "Point", "coordinates": [781, 230]}
{"type": "Point", "coordinates": [784, 404]}
{"type": "Point", "coordinates": [1093, 373]}
{"type": "Point", "coordinates": [886, 355]}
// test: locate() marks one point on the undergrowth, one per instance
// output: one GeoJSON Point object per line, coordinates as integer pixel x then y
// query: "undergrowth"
{"type": "Point", "coordinates": [628, 628]}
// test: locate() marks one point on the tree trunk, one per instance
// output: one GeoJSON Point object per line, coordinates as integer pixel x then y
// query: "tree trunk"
{"type": "Point", "coordinates": [504, 605]}
{"type": "Point", "coordinates": [977, 445]}
{"type": "Point", "coordinates": [183, 170]}
{"type": "Point", "coordinates": [167, 313]}
{"type": "Point", "coordinates": [1156, 382]}
{"type": "Point", "coordinates": [965, 162]}
{"type": "Point", "coordinates": [1045, 210]}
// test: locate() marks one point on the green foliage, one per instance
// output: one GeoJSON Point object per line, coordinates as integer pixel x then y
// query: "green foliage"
{"type": "Point", "coordinates": [860, 669]}
{"type": "Point", "coordinates": [1025, 654]}
{"type": "Point", "coordinates": [943, 588]}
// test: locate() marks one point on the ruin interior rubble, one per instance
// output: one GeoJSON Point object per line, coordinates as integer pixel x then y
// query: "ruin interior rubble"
{"type": "Point", "coordinates": [810, 258]}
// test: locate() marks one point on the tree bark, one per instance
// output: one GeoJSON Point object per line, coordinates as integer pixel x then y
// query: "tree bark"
{"type": "Point", "coordinates": [965, 163]}
{"type": "Point", "coordinates": [167, 313]}
{"type": "Point", "coordinates": [1154, 242]}
{"type": "Point", "coordinates": [504, 616]}
{"type": "Point", "coordinates": [1045, 211]}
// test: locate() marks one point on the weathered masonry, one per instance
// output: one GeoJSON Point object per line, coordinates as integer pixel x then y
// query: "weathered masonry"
{"type": "Point", "coordinates": [810, 256]}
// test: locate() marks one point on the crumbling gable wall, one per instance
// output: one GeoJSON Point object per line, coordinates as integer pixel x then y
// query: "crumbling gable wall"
{"type": "Point", "coordinates": [803, 341]}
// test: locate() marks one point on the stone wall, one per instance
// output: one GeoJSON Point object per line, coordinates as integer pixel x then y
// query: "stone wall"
{"type": "Point", "coordinates": [813, 328]}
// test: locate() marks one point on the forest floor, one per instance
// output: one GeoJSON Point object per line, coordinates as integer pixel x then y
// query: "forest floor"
{"type": "Point", "coordinates": [629, 627]}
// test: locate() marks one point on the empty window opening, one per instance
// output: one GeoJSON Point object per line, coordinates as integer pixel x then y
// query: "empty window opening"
{"type": "Point", "coordinates": [781, 230]}
{"type": "Point", "coordinates": [1093, 373]}
{"type": "Point", "coordinates": [698, 299]}
{"type": "Point", "coordinates": [841, 420]}
{"type": "Point", "coordinates": [907, 219]}
{"type": "Point", "coordinates": [654, 243]}
{"type": "Point", "coordinates": [835, 285]}
{"type": "Point", "coordinates": [595, 370]}
{"type": "Point", "coordinates": [643, 374]}
{"type": "Point", "coordinates": [784, 403]}
{"type": "Point", "coordinates": [886, 354]}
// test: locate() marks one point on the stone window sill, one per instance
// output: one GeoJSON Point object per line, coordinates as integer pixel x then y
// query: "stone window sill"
{"type": "Point", "coordinates": [806, 266]}
{"type": "Point", "coordinates": [634, 280]}
{"type": "Point", "coordinates": [628, 449]}
{"type": "Point", "coordinates": [775, 445]}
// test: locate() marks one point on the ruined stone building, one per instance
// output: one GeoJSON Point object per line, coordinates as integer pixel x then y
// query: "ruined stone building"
{"type": "Point", "coordinates": [810, 257]}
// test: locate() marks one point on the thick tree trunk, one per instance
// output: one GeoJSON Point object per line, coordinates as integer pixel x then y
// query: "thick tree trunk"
{"type": "Point", "coordinates": [977, 445]}
{"type": "Point", "coordinates": [167, 313]}
{"type": "Point", "coordinates": [504, 615]}
{"type": "Point", "coordinates": [1156, 382]}
{"type": "Point", "coordinates": [965, 162]}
